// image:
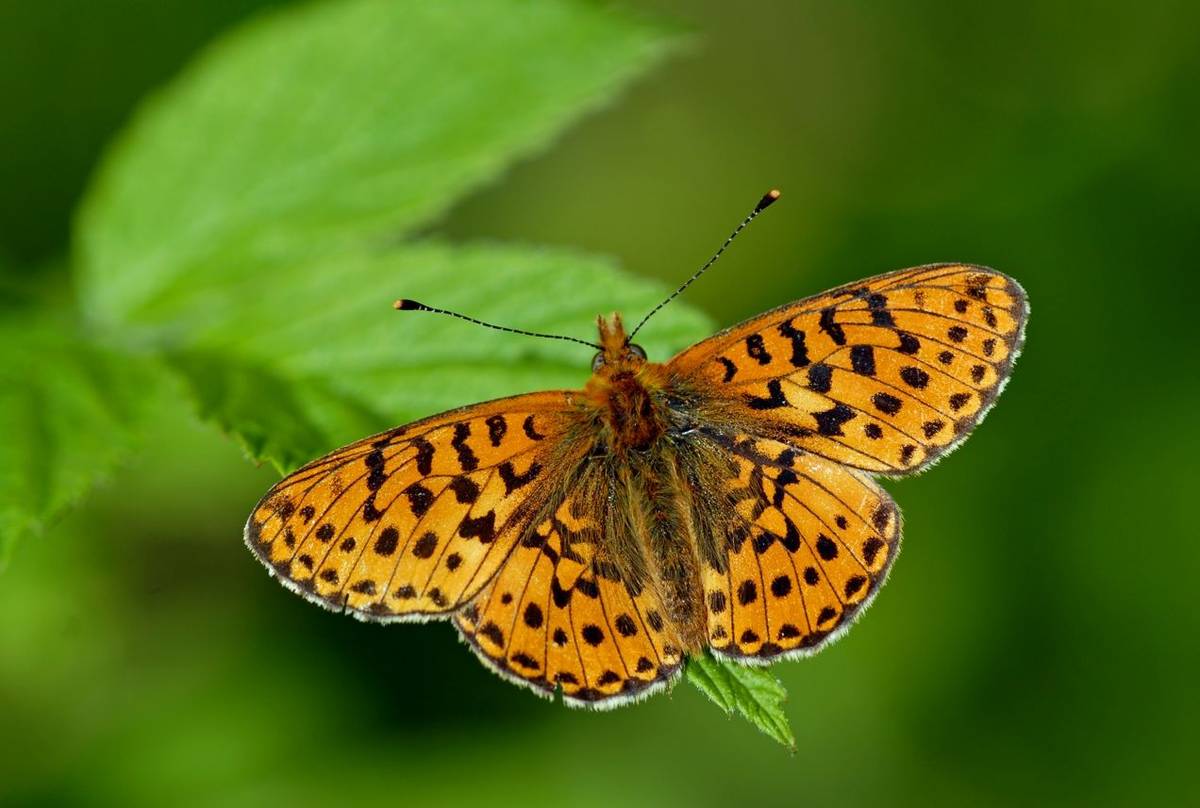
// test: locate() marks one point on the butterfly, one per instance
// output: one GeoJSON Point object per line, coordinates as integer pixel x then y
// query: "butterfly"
{"type": "Point", "coordinates": [588, 541]}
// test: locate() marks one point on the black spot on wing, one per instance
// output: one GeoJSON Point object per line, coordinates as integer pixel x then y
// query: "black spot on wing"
{"type": "Point", "coordinates": [877, 303]}
{"type": "Point", "coordinates": [791, 537]}
{"type": "Point", "coordinates": [716, 601]}
{"type": "Point", "coordinates": [799, 357]}
{"type": "Point", "coordinates": [424, 455]}
{"type": "Point", "coordinates": [915, 377]}
{"type": "Point", "coordinates": [466, 457]}
{"type": "Point", "coordinates": [756, 349]}
{"type": "Point", "coordinates": [497, 426]}
{"type": "Point", "coordinates": [528, 427]}
{"type": "Point", "coordinates": [886, 403]}
{"type": "Point", "coordinates": [493, 633]}
{"type": "Point", "coordinates": [482, 528]}
{"type": "Point", "coordinates": [533, 615]}
{"type": "Point", "coordinates": [387, 541]}
{"type": "Point", "coordinates": [775, 400]}
{"type": "Point", "coordinates": [513, 480]}
{"type": "Point", "coordinates": [525, 661]}
{"type": "Point", "coordinates": [862, 360]}
{"type": "Point", "coordinates": [832, 328]}
{"type": "Point", "coordinates": [625, 626]}
{"type": "Point", "coordinates": [829, 422]}
{"type": "Point", "coordinates": [871, 548]}
{"type": "Point", "coordinates": [466, 490]}
{"type": "Point", "coordinates": [419, 499]}
{"type": "Point", "coordinates": [424, 546]}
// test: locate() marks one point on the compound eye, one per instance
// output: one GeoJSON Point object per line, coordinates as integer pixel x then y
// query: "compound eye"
{"type": "Point", "coordinates": [637, 351]}
{"type": "Point", "coordinates": [597, 361]}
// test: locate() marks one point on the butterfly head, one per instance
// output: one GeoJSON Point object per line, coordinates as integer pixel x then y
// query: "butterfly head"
{"type": "Point", "coordinates": [616, 352]}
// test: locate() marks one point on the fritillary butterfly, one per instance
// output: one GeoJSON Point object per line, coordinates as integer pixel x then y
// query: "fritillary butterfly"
{"type": "Point", "coordinates": [591, 540]}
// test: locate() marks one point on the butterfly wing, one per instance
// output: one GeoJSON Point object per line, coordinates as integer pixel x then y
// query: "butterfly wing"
{"type": "Point", "coordinates": [564, 612]}
{"type": "Point", "coordinates": [807, 543]}
{"type": "Point", "coordinates": [884, 375]}
{"type": "Point", "coordinates": [415, 521]}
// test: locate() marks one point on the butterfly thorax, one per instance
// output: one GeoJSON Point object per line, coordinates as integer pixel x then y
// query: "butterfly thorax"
{"type": "Point", "coordinates": [624, 392]}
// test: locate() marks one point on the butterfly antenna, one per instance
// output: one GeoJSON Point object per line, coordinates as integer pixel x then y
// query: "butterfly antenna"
{"type": "Point", "coordinates": [762, 205]}
{"type": "Point", "coordinates": [405, 304]}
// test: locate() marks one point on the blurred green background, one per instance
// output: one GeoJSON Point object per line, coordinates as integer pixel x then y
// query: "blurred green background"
{"type": "Point", "coordinates": [1038, 640]}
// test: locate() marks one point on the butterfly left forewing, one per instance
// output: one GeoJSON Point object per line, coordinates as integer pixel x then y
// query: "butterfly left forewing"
{"type": "Point", "coordinates": [883, 375]}
{"type": "Point", "coordinates": [416, 520]}
{"type": "Point", "coordinates": [807, 543]}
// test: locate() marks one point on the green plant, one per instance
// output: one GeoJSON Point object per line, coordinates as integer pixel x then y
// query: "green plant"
{"type": "Point", "coordinates": [245, 235]}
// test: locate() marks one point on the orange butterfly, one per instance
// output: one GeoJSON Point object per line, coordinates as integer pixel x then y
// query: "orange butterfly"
{"type": "Point", "coordinates": [591, 540]}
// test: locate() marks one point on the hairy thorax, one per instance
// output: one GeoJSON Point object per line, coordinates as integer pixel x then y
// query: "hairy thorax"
{"type": "Point", "coordinates": [626, 405]}
{"type": "Point", "coordinates": [624, 393]}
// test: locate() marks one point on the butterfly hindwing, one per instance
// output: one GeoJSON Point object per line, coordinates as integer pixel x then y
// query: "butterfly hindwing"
{"type": "Point", "coordinates": [560, 615]}
{"type": "Point", "coordinates": [809, 542]}
{"type": "Point", "coordinates": [883, 375]}
{"type": "Point", "coordinates": [415, 521]}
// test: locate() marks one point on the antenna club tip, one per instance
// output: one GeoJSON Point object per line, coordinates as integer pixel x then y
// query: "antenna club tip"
{"type": "Point", "coordinates": [404, 304]}
{"type": "Point", "coordinates": [768, 198]}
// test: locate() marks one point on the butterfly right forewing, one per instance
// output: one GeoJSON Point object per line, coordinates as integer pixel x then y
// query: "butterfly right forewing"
{"type": "Point", "coordinates": [884, 375]}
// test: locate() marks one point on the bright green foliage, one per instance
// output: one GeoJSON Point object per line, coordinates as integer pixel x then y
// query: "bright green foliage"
{"type": "Point", "coordinates": [337, 363]}
{"type": "Point", "coordinates": [252, 222]}
{"type": "Point", "coordinates": [754, 693]}
{"type": "Point", "coordinates": [331, 124]}
{"type": "Point", "coordinates": [253, 225]}
{"type": "Point", "coordinates": [70, 410]}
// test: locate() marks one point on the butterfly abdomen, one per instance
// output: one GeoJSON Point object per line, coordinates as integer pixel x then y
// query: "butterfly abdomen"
{"type": "Point", "coordinates": [654, 496]}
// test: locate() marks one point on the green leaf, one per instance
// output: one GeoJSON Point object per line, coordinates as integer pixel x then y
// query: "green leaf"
{"type": "Point", "coordinates": [252, 226]}
{"type": "Point", "coordinates": [70, 411]}
{"type": "Point", "coordinates": [754, 693]}
{"type": "Point", "coordinates": [337, 363]}
{"type": "Point", "coordinates": [330, 123]}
